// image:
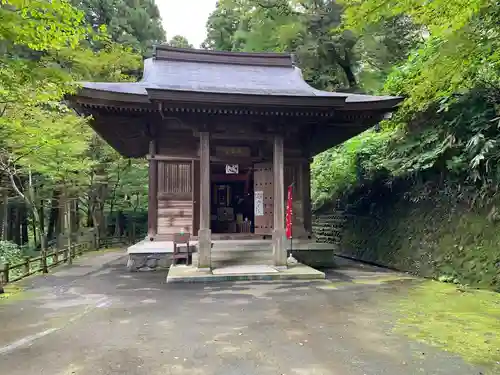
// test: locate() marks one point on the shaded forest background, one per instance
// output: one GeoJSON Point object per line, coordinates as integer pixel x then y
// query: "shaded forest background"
{"type": "Point", "coordinates": [421, 191]}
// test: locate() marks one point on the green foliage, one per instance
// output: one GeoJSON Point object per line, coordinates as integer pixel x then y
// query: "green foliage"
{"type": "Point", "coordinates": [46, 147]}
{"type": "Point", "coordinates": [179, 41]}
{"type": "Point", "coordinates": [10, 253]}
{"type": "Point", "coordinates": [330, 57]}
{"type": "Point", "coordinates": [424, 228]}
{"type": "Point", "coordinates": [449, 119]}
{"type": "Point", "coordinates": [337, 171]}
{"type": "Point", "coordinates": [38, 132]}
{"type": "Point", "coordinates": [459, 140]}
{"type": "Point", "coordinates": [40, 25]}
{"type": "Point", "coordinates": [134, 24]}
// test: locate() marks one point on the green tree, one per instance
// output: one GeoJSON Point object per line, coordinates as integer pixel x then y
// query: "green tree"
{"type": "Point", "coordinates": [44, 145]}
{"type": "Point", "coordinates": [133, 23]}
{"type": "Point", "coordinates": [179, 41]}
{"type": "Point", "coordinates": [448, 123]}
{"type": "Point", "coordinates": [39, 135]}
{"type": "Point", "coordinates": [331, 57]}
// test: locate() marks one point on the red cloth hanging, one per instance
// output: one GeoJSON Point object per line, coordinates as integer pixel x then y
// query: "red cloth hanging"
{"type": "Point", "coordinates": [289, 212]}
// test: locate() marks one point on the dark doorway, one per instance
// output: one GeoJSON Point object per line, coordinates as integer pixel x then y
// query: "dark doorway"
{"type": "Point", "coordinates": [232, 200]}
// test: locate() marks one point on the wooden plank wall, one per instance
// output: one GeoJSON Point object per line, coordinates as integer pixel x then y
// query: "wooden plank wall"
{"type": "Point", "coordinates": [175, 197]}
{"type": "Point", "coordinates": [263, 181]}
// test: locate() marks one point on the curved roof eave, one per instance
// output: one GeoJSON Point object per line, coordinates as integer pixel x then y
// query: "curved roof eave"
{"type": "Point", "coordinates": [137, 92]}
{"type": "Point", "coordinates": [198, 76]}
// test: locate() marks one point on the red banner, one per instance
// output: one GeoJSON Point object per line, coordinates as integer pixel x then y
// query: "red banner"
{"type": "Point", "coordinates": [289, 213]}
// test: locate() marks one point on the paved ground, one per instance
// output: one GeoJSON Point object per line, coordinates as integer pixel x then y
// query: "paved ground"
{"type": "Point", "coordinates": [101, 320]}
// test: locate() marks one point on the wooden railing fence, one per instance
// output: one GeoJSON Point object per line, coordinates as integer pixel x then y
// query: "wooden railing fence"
{"type": "Point", "coordinates": [10, 273]}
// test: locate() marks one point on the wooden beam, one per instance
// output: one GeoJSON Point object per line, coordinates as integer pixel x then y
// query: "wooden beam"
{"type": "Point", "coordinates": [204, 233]}
{"type": "Point", "coordinates": [205, 180]}
{"type": "Point", "coordinates": [241, 137]}
{"type": "Point", "coordinates": [279, 248]}
{"type": "Point", "coordinates": [153, 192]}
{"type": "Point", "coordinates": [171, 158]}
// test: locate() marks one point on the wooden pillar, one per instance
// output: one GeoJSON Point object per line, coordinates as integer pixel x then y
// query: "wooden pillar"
{"type": "Point", "coordinates": [153, 192]}
{"type": "Point", "coordinates": [204, 232]}
{"type": "Point", "coordinates": [279, 234]}
{"type": "Point", "coordinates": [306, 196]}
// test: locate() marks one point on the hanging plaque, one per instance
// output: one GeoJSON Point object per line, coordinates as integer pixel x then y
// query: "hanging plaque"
{"type": "Point", "coordinates": [232, 169]}
{"type": "Point", "coordinates": [232, 152]}
{"type": "Point", "coordinates": [259, 203]}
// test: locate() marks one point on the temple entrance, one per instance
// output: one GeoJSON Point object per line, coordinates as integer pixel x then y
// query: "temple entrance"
{"type": "Point", "coordinates": [232, 199]}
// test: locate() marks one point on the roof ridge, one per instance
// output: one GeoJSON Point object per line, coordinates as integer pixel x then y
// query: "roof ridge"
{"type": "Point", "coordinates": [270, 59]}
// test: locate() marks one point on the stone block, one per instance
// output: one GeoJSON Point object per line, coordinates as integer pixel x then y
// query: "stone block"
{"type": "Point", "coordinates": [279, 247]}
{"type": "Point", "coordinates": [204, 248]}
{"type": "Point", "coordinates": [148, 261]}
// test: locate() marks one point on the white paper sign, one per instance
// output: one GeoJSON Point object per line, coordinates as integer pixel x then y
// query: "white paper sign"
{"type": "Point", "coordinates": [259, 203]}
{"type": "Point", "coordinates": [232, 169]}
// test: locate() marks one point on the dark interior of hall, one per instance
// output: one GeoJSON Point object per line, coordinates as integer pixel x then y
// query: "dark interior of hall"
{"type": "Point", "coordinates": [232, 207]}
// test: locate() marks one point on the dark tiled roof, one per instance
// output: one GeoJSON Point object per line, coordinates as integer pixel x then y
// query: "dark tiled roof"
{"type": "Point", "coordinates": [216, 72]}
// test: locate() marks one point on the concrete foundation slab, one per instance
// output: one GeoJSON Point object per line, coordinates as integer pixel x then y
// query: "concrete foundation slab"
{"type": "Point", "coordinates": [152, 255]}
{"type": "Point", "coordinates": [156, 247]}
{"type": "Point", "coordinates": [244, 269]}
{"type": "Point", "coordinates": [191, 274]}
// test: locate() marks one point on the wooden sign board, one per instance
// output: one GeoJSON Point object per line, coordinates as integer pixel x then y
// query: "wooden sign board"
{"type": "Point", "coordinates": [235, 152]}
{"type": "Point", "coordinates": [259, 203]}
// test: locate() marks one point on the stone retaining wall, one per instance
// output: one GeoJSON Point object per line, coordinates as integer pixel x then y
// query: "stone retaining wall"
{"type": "Point", "coordinates": [328, 227]}
{"type": "Point", "coordinates": [148, 261]}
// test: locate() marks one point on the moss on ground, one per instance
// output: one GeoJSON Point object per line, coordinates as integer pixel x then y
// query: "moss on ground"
{"type": "Point", "coordinates": [462, 321]}
{"type": "Point", "coordinates": [11, 293]}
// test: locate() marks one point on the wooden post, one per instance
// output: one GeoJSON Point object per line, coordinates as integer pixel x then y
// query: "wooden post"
{"type": "Point", "coordinates": [279, 234]}
{"type": "Point", "coordinates": [204, 232]}
{"type": "Point", "coordinates": [153, 192]}
{"type": "Point", "coordinates": [26, 266]}
{"type": "Point", "coordinates": [43, 262]}
{"type": "Point", "coordinates": [5, 273]}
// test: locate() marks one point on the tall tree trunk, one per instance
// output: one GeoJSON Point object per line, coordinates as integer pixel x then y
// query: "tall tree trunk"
{"type": "Point", "coordinates": [24, 224]}
{"type": "Point", "coordinates": [54, 215]}
{"type": "Point", "coordinates": [5, 216]}
{"type": "Point", "coordinates": [16, 225]}
{"type": "Point", "coordinates": [30, 200]}
{"type": "Point", "coordinates": [9, 236]}
{"type": "Point", "coordinates": [351, 78]}
{"type": "Point", "coordinates": [35, 230]}
{"type": "Point", "coordinates": [76, 220]}
{"type": "Point", "coordinates": [90, 219]}
{"type": "Point", "coordinates": [41, 215]}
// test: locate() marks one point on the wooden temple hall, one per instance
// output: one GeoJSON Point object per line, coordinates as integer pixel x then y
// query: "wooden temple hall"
{"type": "Point", "coordinates": [225, 134]}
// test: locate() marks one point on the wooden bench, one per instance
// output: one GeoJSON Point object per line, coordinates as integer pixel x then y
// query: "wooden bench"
{"type": "Point", "coordinates": [179, 240]}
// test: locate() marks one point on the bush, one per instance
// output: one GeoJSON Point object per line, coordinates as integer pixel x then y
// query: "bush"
{"type": "Point", "coordinates": [10, 252]}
